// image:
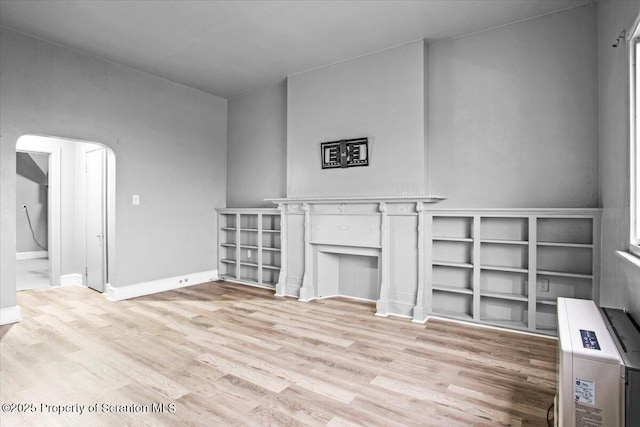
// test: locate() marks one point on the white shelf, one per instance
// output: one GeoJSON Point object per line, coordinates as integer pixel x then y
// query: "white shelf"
{"type": "Point", "coordinates": [505, 242]}
{"type": "Point", "coordinates": [266, 248]}
{"type": "Point", "coordinates": [249, 264]}
{"type": "Point", "coordinates": [453, 289]}
{"type": "Point", "coordinates": [504, 268]}
{"type": "Point", "coordinates": [564, 274]}
{"type": "Point", "coordinates": [452, 239]}
{"type": "Point", "coordinates": [504, 295]}
{"type": "Point", "coordinates": [567, 245]}
{"type": "Point", "coordinates": [453, 264]}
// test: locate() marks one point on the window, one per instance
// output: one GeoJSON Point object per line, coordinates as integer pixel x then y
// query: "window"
{"type": "Point", "coordinates": [634, 51]}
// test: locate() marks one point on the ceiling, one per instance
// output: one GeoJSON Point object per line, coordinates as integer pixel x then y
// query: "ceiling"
{"type": "Point", "coordinates": [230, 48]}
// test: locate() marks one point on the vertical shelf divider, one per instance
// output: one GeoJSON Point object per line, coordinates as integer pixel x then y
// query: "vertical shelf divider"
{"type": "Point", "coordinates": [418, 308]}
{"type": "Point", "coordinates": [595, 240]}
{"type": "Point", "coordinates": [259, 251]}
{"type": "Point", "coordinates": [532, 276]}
{"type": "Point", "coordinates": [475, 260]}
{"type": "Point", "coordinates": [281, 281]}
{"type": "Point", "coordinates": [219, 242]}
{"type": "Point", "coordinates": [428, 268]}
{"type": "Point", "coordinates": [238, 236]}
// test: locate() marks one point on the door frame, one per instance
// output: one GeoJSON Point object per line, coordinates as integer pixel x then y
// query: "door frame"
{"type": "Point", "coordinates": [53, 206]}
{"type": "Point", "coordinates": [103, 220]}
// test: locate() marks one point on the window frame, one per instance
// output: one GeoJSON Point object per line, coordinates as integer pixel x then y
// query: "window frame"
{"type": "Point", "coordinates": [634, 137]}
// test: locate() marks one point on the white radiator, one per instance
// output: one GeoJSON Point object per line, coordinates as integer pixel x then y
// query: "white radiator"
{"type": "Point", "coordinates": [591, 372]}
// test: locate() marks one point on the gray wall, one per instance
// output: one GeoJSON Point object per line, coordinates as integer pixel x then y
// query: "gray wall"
{"type": "Point", "coordinates": [169, 143]}
{"type": "Point", "coordinates": [257, 147]}
{"type": "Point", "coordinates": [514, 114]}
{"type": "Point", "coordinates": [380, 96]}
{"type": "Point", "coordinates": [512, 118]}
{"type": "Point", "coordinates": [33, 194]}
{"type": "Point", "coordinates": [620, 282]}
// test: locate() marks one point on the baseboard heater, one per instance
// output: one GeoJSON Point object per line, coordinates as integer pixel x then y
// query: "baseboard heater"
{"type": "Point", "coordinates": [599, 366]}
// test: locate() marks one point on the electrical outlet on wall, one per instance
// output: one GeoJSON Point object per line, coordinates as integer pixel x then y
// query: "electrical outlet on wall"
{"type": "Point", "coordinates": [249, 254]}
{"type": "Point", "coordinates": [543, 285]}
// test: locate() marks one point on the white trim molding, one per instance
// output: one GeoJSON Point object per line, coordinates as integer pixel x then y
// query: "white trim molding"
{"type": "Point", "coordinates": [484, 326]}
{"type": "Point", "coordinates": [10, 315]}
{"type": "Point", "coordinates": [161, 285]}
{"type": "Point", "coordinates": [21, 256]}
{"type": "Point", "coordinates": [74, 279]}
{"type": "Point", "coordinates": [629, 258]}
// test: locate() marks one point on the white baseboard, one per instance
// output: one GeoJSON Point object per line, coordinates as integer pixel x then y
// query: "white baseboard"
{"type": "Point", "coordinates": [348, 297]}
{"type": "Point", "coordinates": [10, 315]}
{"type": "Point", "coordinates": [74, 279]}
{"type": "Point", "coordinates": [20, 256]}
{"type": "Point", "coordinates": [483, 326]}
{"type": "Point", "coordinates": [161, 285]}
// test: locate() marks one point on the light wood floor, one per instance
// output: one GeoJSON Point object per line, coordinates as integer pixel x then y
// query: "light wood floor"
{"type": "Point", "coordinates": [227, 354]}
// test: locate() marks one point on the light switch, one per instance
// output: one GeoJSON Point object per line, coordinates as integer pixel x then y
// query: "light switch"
{"type": "Point", "coordinates": [135, 200]}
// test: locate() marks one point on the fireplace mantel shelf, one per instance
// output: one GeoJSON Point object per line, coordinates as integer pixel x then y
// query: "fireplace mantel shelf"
{"type": "Point", "coordinates": [360, 199]}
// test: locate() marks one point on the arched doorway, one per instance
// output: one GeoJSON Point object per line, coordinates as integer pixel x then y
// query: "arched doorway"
{"type": "Point", "coordinates": [80, 211]}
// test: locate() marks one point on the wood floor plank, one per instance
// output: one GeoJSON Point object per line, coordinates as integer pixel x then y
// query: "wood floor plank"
{"type": "Point", "coordinates": [226, 354]}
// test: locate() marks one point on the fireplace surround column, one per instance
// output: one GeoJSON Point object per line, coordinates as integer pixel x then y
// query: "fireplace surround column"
{"type": "Point", "coordinates": [281, 286]}
{"type": "Point", "coordinates": [381, 305]}
{"type": "Point", "coordinates": [307, 291]}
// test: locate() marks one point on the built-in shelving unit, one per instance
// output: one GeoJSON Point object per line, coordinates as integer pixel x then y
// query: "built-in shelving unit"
{"type": "Point", "coordinates": [249, 246]}
{"type": "Point", "coordinates": [565, 248]}
{"type": "Point", "coordinates": [500, 267]}
{"type": "Point", "coordinates": [504, 268]}
{"type": "Point", "coordinates": [452, 265]}
{"type": "Point", "coordinates": [508, 267]}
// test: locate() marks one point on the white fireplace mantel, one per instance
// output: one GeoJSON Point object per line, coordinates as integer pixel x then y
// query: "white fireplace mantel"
{"type": "Point", "coordinates": [387, 227]}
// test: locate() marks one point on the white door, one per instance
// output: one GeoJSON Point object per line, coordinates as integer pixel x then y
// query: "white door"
{"type": "Point", "coordinates": [95, 204]}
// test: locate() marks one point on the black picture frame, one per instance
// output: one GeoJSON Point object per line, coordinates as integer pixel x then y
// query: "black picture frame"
{"type": "Point", "coordinates": [345, 153]}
